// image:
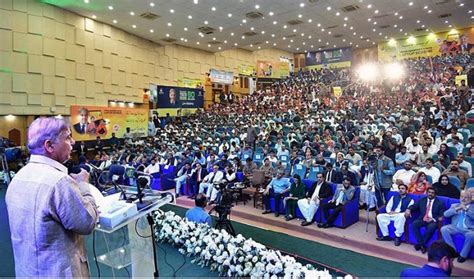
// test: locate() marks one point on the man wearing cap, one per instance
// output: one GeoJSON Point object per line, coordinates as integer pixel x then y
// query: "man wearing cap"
{"type": "Point", "coordinates": [276, 189]}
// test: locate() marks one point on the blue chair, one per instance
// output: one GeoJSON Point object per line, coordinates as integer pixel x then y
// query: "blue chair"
{"type": "Point", "coordinates": [258, 159]}
{"type": "Point", "coordinates": [300, 170]}
{"type": "Point", "coordinates": [469, 183]}
{"type": "Point", "coordinates": [349, 214]}
{"type": "Point", "coordinates": [313, 172]}
{"type": "Point", "coordinates": [455, 181]}
{"type": "Point", "coordinates": [284, 159]}
{"type": "Point", "coordinates": [117, 170]}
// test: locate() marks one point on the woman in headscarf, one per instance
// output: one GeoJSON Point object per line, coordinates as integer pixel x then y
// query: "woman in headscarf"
{"type": "Point", "coordinates": [445, 188]}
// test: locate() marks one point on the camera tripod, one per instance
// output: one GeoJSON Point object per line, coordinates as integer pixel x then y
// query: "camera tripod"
{"type": "Point", "coordinates": [6, 171]}
{"type": "Point", "coordinates": [223, 220]}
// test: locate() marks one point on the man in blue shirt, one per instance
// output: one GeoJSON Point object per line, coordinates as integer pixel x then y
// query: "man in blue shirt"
{"type": "Point", "coordinates": [198, 214]}
{"type": "Point", "coordinates": [440, 262]}
{"type": "Point", "coordinates": [276, 189]}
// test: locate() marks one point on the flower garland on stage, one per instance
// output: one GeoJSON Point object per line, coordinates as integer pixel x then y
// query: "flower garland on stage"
{"type": "Point", "coordinates": [230, 256]}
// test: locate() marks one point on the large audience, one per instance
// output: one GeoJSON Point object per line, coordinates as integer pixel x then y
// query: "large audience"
{"type": "Point", "coordinates": [410, 135]}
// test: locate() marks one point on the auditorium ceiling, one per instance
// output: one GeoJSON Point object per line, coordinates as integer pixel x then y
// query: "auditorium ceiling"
{"type": "Point", "coordinates": [291, 25]}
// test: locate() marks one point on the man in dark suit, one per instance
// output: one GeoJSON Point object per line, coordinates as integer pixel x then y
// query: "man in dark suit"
{"type": "Point", "coordinates": [197, 176]}
{"type": "Point", "coordinates": [81, 126]}
{"type": "Point", "coordinates": [465, 46]}
{"type": "Point", "coordinates": [430, 210]}
{"type": "Point", "coordinates": [81, 149]}
{"type": "Point", "coordinates": [342, 196]}
{"type": "Point", "coordinates": [332, 175]}
{"type": "Point", "coordinates": [309, 205]}
{"type": "Point", "coordinates": [440, 262]}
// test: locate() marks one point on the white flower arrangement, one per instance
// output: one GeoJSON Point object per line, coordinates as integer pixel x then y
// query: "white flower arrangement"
{"type": "Point", "coordinates": [230, 256]}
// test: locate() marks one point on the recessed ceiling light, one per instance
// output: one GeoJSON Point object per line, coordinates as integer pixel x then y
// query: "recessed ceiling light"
{"type": "Point", "coordinates": [220, 28]}
{"type": "Point", "coordinates": [284, 38]}
{"type": "Point", "coordinates": [357, 45]}
{"type": "Point", "coordinates": [236, 44]}
{"type": "Point", "coordinates": [410, 4]}
{"type": "Point", "coordinates": [151, 30]}
{"type": "Point", "coordinates": [328, 8]}
{"type": "Point", "coordinates": [373, 30]}
{"type": "Point", "coordinates": [273, 35]}
{"type": "Point", "coordinates": [322, 29]}
{"type": "Point", "coordinates": [196, 1]}
{"type": "Point", "coordinates": [243, 37]}
{"type": "Point", "coordinates": [294, 30]}
{"type": "Point", "coordinates": [291, 40]}
{"type": "Point", "coordinates": [346, 18]}
{"type": "Point", "coordinates": [214, 38]}
{"type": "Point", "coordinates": [229, 15]}
{"type": "Point", "coordinates": [251, 28]}
{"type": "Point", "coordinates": [167, 35]}
{"type": "Point", "coordinates": [418, 21]}
{"type": "Point", "coordinates": [209, 45]}
{"type": "Point", "coordinates": [401, 29]}
{"type": "Point", "coordinates": [259, 47]}
{"type": "Point", "coordinates": [319, 40]}
{"type": "Point", "coordinates": [257, 6]}
{"type": "Point", "coordinates": [401, 17]}
{"type": "Point", "coordinates": [190, 16]}
{"type": "Point", "coordinates": [395, 26]}
{"type": "Point", "coordinates": [244, 20]}
{"type": "Point", "coordinates": [338, 14]}
{"type": "Point", "coordinates": [213, 9]}
{"type": "Point", "coordinates": [369, 6]}
{"type": "Point", "coordinates": [152, 4]}
{"type": "Point", "coordinates": [343, 40]}
{"type": "Point", "coordinates": [375, 22]}
{"type": "Point", "coordinates": [300, 16]}
{"type": "Point", "coordinates": [284, 26]}
{"type": "Point", "coordinates": [319, 48]}
{"type": "Point", "coordinates": [319, 24]}
{"type": "Point", "coordinates": [270, 13]}
{"type": "Point", "coordinates": [380, 33]}
{"type": "Point", "coordinates": [450, 26]}
{"type": "Point", "coordinates": [169, 24]}
{"type": "Point", "coordinates": [423, 26]}
{"type": "Point", "coordinates": [350, 43]}
{"type": "Point", "coordinates": [111, 7]}
{"type": "Point", "coordinates": [469, 12]}
{"type": "Point", "coordinates": [355, 33]}
{"type": "Point", "coordinates": [225, 41]}
{"type": "Point", "coordinates": [425, 7]}
{"type": "Point", "coordinates": [345, 24]}
{"type": "Point", "coordinates": [301, 5]}
{"type": "Point", "coordinates": [309, 37]}
{"type": "Point", "coordinates": [219, 48]}
{"type": "Point", "coordinates": [386, 37]}
{"type": "Point", "coordinates": [327, 43]}
{"type": "Point", "coordinates": [206, 22]}
{"type": "Point", "coordinates": [352, 27]}
{"type": "Point", "coordinates": [263, 32]}
{"type": "Point", "coordinates": [94, 16]}
{"type": "Point", "coordinates": [396, 14]}
{"type": "Point", "coordinates": [232, 34]}
{"type": "Point", "coordinates": [289, 46]}
{"type": "Point", "coordinates": [334, 45]}
{"type": "Point", "coordinates": [376, 11]}
{"type": "Point", "coordinates": [132, 13]}
{"type": "Point", "coordinates": [134, 26]}
{"type": "Point", "coordinates": [185, 28]}
{"type": "Point", "coordinates": [461, 5]}
{"type": "Point", "coordinates": [429, 11]}
{"type": "Point", "coordinates": [114, 21]}
{"type": "Point", "coordinates": [310, 20]}
{"type": "Point", "coordinates": [172, 11]}
{"type": "Point", "coordinates": [197, 43]}
{"type": "Point", "coordinates": [274, 44]}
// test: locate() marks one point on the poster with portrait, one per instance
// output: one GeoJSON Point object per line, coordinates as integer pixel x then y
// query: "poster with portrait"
{"type": "Point", "coordinates": [179, 97]}
{"type": "Point", "coordinates": [342, 56]}
{"type": "Point", "coordinates": [90, 122]}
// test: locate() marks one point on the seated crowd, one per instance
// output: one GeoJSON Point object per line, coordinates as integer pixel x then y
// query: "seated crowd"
{"type": "Point", "coordinates": [398, 146]}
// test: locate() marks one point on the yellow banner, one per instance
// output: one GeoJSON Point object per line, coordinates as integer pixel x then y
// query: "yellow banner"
{"type": "Point", "coordinates": [458, 79]}
{"type": "Point", "coordinates": [189, 82]}
{"type": "Point", "coordinates": [247, 70]}
{"type": "Point", "coordinates": [89, 122]}
{"type": "Point", "coordinates": [426, 46]}
{"type": "Point", "coordinates": [337, 90]}
{"type": "Point", "coordinates": [269, 69]}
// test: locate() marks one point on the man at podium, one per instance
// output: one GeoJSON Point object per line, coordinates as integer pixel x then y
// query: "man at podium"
{"type": "Point", "coordinates": [50, 211]}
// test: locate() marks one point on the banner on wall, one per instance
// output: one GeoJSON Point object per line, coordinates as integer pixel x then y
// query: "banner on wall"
{"type": "Point", "coordinates": [179, 97]}
{"type": "Point", "coordinates": [270, 69]}
{"type": "Point", "coordinates": [221, 76]}
{"type": "Point", "coordinates": [337, 90]}
{"type": "Point", "coordinates": [90, 122]}
{"type": "Point", "coordinates": [189, 82]}
{"type": "Point", "coordinates": [428, 45]}
{"type": "Point", "coordinates": [247, 70]}
{"type": "Point", "coordinates": [341, 56]}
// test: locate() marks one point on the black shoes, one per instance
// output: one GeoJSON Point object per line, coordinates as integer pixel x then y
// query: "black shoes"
{"type": "Point", "coordinates": [398, 241]}
{"type": "Point", "coordinates": [306, 223]}
{"type": "Point", "coordinates": [417, 247]}
{"type": "Point", "coordinates": [384, 238]}
{"type": "Point", "coordinates": [289, 217]}
{"type": "Point", "coordinates": [423, 249]}
{"type": "Point", "coordinates": [324, 226]}
{"type": "Point", "coordinates": [461, 259]}
{"type": "Point", "coordinates": [266, 212]}
{"type": "Point", "coordinates": [277, 214]}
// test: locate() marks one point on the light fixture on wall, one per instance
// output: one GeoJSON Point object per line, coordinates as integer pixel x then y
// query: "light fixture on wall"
{"type": "Point", "coordinates": [10, 117]}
